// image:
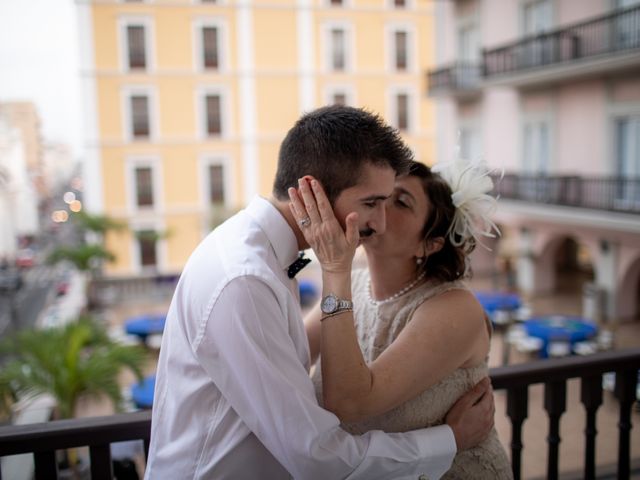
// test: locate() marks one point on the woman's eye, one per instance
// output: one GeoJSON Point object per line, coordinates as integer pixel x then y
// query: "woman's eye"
{"type": "Point", "coordinates": [401, 201]}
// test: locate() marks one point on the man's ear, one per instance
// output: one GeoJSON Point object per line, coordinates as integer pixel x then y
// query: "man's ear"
{"type": "Point", "coordinates": [433, 245]}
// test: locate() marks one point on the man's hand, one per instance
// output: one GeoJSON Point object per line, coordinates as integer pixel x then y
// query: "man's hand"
{"type": "Point", "coordinates": [471, 418]}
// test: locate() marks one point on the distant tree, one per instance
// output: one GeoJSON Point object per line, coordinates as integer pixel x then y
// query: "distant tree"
{"type": "Point", "coordinates": [99, 224]}
{"type": "Point", "coordinates": [85, 257]}
{"type": "Point", "coordinates": [88, 256]}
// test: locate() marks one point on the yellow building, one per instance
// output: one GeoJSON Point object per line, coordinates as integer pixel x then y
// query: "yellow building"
{"type": "Point", "coordinates": [187, 101]}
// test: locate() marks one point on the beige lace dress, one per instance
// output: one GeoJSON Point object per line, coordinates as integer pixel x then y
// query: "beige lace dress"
{"type": "Point", "coordinates": [377, 327]}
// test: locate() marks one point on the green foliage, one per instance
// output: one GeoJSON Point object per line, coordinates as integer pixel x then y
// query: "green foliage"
{"type": "Point", "coordinates": [83, 257]}
{"type": "Point", "coordinates": [152, 235]}
{"type": "Point", "coordinates": [219, 213]}
{"type": "Point", "coordinates": [67, 362]}
{"type": "Point", "coordinates": [99, 224]}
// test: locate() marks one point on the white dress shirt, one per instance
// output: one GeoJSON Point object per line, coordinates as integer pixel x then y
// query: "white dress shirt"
{"type": "Point", "coordinates": [233, 397]}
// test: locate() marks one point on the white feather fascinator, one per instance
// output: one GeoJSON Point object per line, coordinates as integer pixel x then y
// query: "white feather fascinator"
{"type": "Point", "coordinates": [471, 184]}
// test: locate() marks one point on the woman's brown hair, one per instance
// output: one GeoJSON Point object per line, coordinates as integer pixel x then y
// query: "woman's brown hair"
{"type": "Point", "coordinates": [450, 262]}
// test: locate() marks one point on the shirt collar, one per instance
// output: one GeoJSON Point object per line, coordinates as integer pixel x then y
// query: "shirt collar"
{"type": "Point", "coordinates": [276, 228]}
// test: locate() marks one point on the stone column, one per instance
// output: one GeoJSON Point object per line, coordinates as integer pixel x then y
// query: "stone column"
{"type": "Point", "coordinates": [526, 265]}
{"type": "Point", "coordinates": [605, 277]}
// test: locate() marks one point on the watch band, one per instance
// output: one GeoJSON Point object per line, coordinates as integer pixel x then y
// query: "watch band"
{"type": "Point", "coordinates": [337, 312]}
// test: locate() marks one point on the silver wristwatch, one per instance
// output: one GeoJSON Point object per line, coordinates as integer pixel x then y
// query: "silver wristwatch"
{"type": "Point", "coordinates": [331, 304]}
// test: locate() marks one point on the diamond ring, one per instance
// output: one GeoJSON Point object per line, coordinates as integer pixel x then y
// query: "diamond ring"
{"type": "Point", "coordinates": [305, 222]}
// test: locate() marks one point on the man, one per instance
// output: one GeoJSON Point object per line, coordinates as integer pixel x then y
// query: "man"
{"type": "Point", "coordinates": [233, 397]}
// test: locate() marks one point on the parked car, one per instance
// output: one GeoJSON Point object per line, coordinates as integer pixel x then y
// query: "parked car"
{"type": "Point", "coordinates": [25, 258]}
{"type": "Point", "coordinates": [10, 280]}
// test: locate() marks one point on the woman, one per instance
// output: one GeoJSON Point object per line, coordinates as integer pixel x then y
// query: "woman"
{"type": "Point", "coordinates": [420, 338]}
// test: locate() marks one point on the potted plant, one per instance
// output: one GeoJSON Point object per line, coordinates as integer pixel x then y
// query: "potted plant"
{"type": "Point", "coordinates": [68, 362]}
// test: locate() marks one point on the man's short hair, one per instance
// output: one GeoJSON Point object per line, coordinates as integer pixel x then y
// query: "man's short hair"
{"type": "Point", "coordinates": [333, 144]}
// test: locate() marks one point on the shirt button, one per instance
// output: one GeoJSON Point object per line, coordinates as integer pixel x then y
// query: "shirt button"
{"type": "Point", "coordinates": [423, 477]}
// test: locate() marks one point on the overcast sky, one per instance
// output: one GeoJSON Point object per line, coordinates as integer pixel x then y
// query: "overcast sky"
{"type": "Point", "coordinates": [39, 62]}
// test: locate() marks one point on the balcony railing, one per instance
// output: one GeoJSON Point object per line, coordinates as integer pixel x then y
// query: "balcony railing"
{"type": "Point", "coordinates": [617, 32]}
{"type": "Point", "coordinates": [459, 78]}
{"type": "Point", "coordinates": [98, 433]}
{"type": "Point", "coordinates": [107, 291]}
{"type": "Point", "coordinates": [611, 194]}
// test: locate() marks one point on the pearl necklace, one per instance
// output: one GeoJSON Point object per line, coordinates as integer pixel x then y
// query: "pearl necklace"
{"type": "Point", "coordinates": [398, 294]}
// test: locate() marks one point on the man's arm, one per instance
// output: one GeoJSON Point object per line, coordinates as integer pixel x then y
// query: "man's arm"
{"type": "Point", "coordinates": [247, 351]}
{"type": "Point", "coordinates": [471, 417]}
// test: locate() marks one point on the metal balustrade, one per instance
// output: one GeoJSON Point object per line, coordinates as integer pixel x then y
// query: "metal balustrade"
{"type": "Point", "coordinates": [605, 193]}
{"type": "Point", "coordinates": [98, 433]}
{"type": "Point", "coordinates": [617, 32]}
{"type": "Point", "coordinates": [459, 77]}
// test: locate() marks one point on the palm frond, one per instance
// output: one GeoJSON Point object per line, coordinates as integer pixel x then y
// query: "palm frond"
{"type": "Point", "coordinates": [68, 362]}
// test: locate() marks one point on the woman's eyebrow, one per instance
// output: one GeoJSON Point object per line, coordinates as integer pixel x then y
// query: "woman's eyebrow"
{"type": "Point", "coordinates": [404, 191]}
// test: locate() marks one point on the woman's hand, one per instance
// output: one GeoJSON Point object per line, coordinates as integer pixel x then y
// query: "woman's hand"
{"type": "Point", "coordinates": [333, 246]}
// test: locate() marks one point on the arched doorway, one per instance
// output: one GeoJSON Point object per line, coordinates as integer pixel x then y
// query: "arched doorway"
{"type": "Point", "coordinates": [573, 266]}
{"type": "Point", "coordinates": [628, 304]}
{"type": "Point", "coordinates": [563, 267]}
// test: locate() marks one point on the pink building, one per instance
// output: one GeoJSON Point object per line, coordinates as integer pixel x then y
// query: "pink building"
{"type": "Point", "coordinates": [549, 90]}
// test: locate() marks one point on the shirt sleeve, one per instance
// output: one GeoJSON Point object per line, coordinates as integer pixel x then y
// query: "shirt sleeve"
{"type": "Point", "coordinates": [247, 351]}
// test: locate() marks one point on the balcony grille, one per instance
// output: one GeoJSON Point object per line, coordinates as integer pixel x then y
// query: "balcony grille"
{"type": "Point", "coordinates": [461, 77]}
{"type": "Point", "coordinates": [617, 194]}
{"type": "Point", "coordinates": [98, 433]}
{"type": "Point", "coordinates": [618, 32]}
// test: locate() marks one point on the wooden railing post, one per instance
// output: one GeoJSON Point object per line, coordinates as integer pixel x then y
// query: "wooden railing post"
{"type": "Point", "coordinates": [555, 403]}
{"type": "Point", "coordinates": [591, 397]}
{"type": "Point", "coordinates": [625, 391]}
{"type": "Point", "coordinates": [517, 409]}
{"type": "Point", "coordinates": [45, 465]}
{"type": "Point", "coordinates": [101, 467]}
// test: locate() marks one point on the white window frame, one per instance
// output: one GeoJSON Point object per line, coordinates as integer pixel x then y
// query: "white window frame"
{"type": "Point", "coordinates": [349, 59]}
{"type": "Point", "coordinates": [137, 225]}
{"type": "Point", "coordinates": [147, 161]}
{"type": "Point", "coordinates": [538, 118]}
{"type": "Point", "coordinates": [154, 117]}
{"type": "Point", "coordinates": [629, 195]}
{"type": "Point", "coordinates": [469, 22]}
{"type": "Point", "coordinates": [149, 42]}
{"type": "Point", "coordinates": [198, 49]}
{"type": "Point", "coordinates": [412, 47]}
{"type": "Point", "coordinates": [473, 126]}
{"type": "Point", "coordinates": [409, 5]}
{"type": "Point", "coordinates": [345, 4]}
{"type": "Point", "coordinates": [522, 20]}
{"type": "Point", "coordinates": [205, 160]}
{"type": "Point", "coordinates": [201, 112]}
{"type": "Point", "coordinates": [413, 104]}
{"type": "Point", "coordinates": [348, 91]}
{"type": "Point", "coordinates": [614, 112]}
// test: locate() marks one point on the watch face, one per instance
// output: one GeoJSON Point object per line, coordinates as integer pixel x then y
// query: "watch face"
{"type": "Point", "coordinates": [329, 304]}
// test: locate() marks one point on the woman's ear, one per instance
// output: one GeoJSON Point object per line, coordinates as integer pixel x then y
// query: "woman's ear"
{"type": "Point", "coordinates": [433, 245]}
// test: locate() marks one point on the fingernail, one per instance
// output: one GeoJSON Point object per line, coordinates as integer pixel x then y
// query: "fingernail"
{"type": "Point", "coordinates": [314, 183]}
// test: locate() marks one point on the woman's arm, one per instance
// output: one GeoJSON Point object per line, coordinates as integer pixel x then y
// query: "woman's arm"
{"type": "Point", "coordinates": [445, 333]}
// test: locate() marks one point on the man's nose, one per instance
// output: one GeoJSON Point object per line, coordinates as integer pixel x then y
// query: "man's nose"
{"type": "Point", "coordinates": [379, 220]}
